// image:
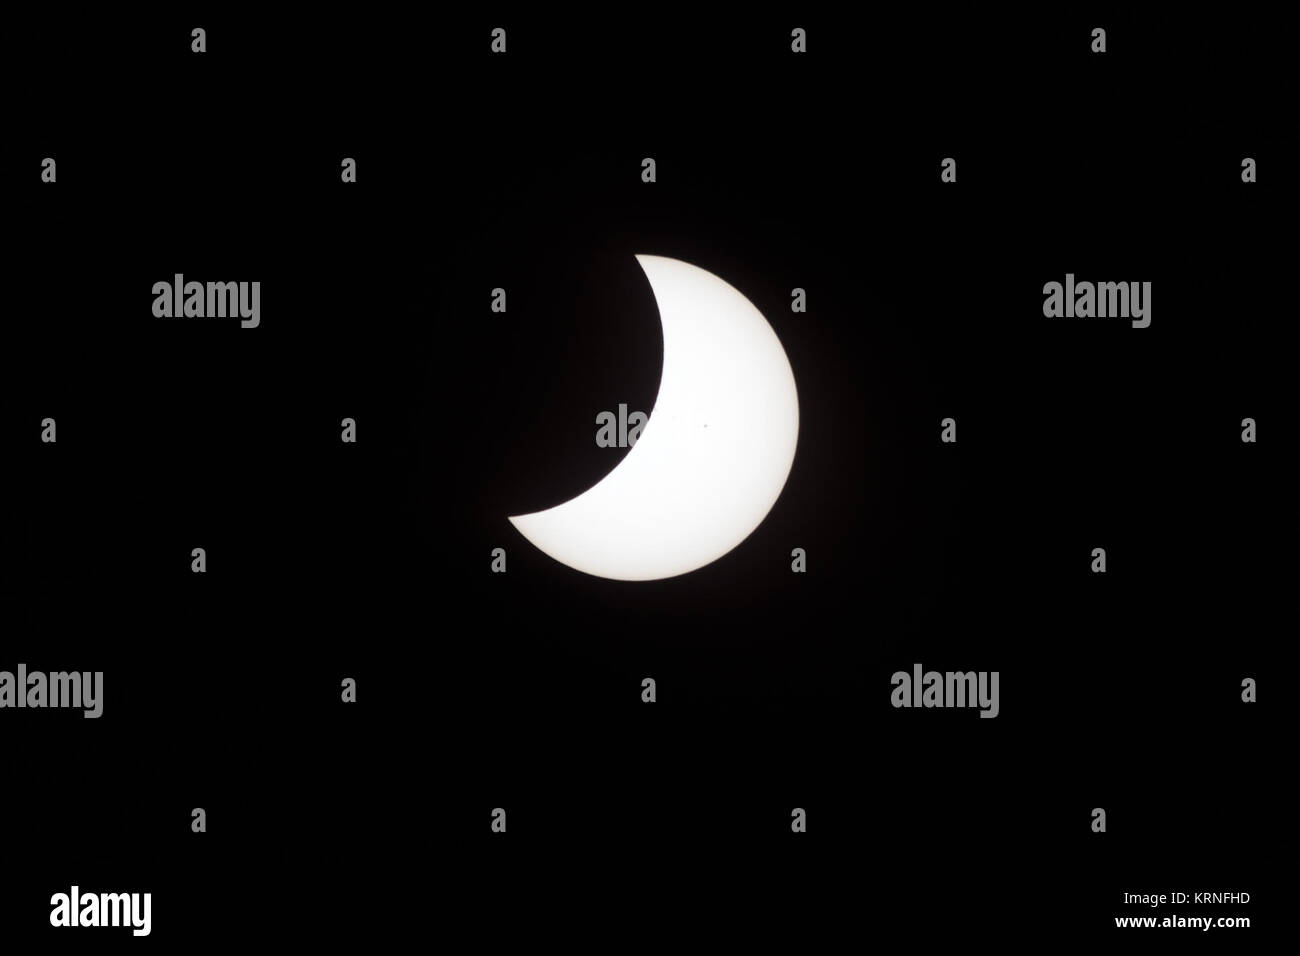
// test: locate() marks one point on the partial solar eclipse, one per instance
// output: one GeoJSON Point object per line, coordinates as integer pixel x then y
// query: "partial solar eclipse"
{"type": "Point", "coordinates": [714, 455]}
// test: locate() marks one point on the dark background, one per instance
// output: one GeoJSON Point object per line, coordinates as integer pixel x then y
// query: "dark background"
{"type": "Point", "coordinates": [369, 823]}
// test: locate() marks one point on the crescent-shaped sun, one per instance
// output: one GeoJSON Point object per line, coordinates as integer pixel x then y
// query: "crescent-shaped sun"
{"type": "Point", "coordinates": [713, 456]}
